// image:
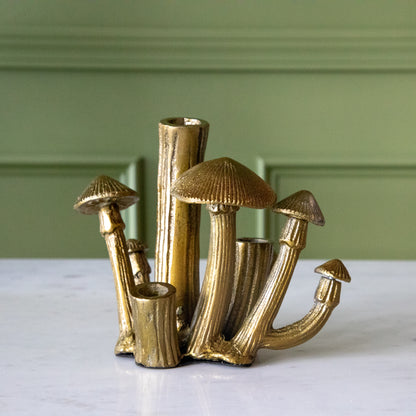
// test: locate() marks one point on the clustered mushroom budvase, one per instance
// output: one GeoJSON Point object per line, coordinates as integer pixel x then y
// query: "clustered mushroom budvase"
{"type": "Point", "coordinates": [162, 322]}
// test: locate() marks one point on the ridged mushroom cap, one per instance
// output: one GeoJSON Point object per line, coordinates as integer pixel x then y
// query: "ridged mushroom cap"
{"type": "Point", "coordinates": [136, 246]}
{"type": "Point", "coordinates": [223, 181]}
{"type": "Point", "coordinates": [334, 269]}
{"type": "Point", "coordinates": [103, 191]}
{"type": "Point", "coordinates": [302, 205]}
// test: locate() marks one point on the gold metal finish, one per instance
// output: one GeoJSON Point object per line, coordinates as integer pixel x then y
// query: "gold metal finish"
{"type": "Point", "coordinates": [139, 264]}
{"type": "Point", "coordinates": [248, 339]}
{"type": "Point", "coordinates": [334, 269]}
{"type": "Point", "coordinates": [154, 317]}
{"type": "Point", "coordinates": [106, 196]}
{"type": "Point", "coordinates": [223, 181]}
{"type": "Point", "coordinates": [242, 290]}
{"type": "Point", "coordinates": [224, 185]}
{"type": "Point", "coordinates": [215, 295]}
{"type": "Point", "coordinates": [327, 297]}
{"type": "Point", "coordinates": [252, 266]}
{"type": "Point", "coordinates": [182, 143]}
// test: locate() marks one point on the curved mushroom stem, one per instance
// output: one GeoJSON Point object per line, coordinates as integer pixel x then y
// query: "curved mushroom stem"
{"type": "Point", "coordinates": [111, 228]}
{"type": "Point", "coordinates": [327, 297]}
{"type": "Point", "coordinates": [213, 303]}
{"type": "Point", "coordinates": [247, 341]}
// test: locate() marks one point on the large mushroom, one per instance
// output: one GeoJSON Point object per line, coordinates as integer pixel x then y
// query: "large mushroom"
{"type": "Point", "coordinates": [106, 196]}
{"type": "Point", "coordinates": [224, 185]}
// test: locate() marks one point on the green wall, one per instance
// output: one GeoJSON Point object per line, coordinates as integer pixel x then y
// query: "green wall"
{"type": "Point", "coordinates": [313, 95]}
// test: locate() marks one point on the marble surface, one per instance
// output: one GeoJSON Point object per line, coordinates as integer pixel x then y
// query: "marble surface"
{"type": "Point", "coordinates": [59, 325]}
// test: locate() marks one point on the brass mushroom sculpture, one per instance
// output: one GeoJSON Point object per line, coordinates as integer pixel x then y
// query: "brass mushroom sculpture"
{"type": "Point", "coordinates": [232, 317]}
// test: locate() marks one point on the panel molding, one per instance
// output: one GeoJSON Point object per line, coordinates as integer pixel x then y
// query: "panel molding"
{"type": "Point", "coordinates": [274, 171]}
{"type": "Point", "coordinates": [196, 49]}
{"type": "Point", "coordinates": [130, 172]}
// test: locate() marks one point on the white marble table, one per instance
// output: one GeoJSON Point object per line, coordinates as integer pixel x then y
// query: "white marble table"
{"type": "Point", "coordinates": [58, 328]}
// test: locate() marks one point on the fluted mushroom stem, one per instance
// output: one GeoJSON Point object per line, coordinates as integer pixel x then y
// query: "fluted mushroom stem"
{"type": "Point", "coordinates": [111, 228]}
{"type": "Point", "coordinates": [213, 303]}
{"type": "Point", "coordinates": [248, 339]}
{"type": "Point", "coordinates": [327, 297]}
{"type": "Point", "coordinates": [154, 311]}
{"type": "Point", "coordinates": [182, 144]}
{"type": "Point", "coordinates": [252, 266]}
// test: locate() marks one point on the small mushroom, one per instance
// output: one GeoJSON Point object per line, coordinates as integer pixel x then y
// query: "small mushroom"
{"type": "Point", "coordinates": [140, 266]}
{"type": "Point", "coordinates": [301, 208]}
{"type": "Point", "coordinates": [107, 196]}
{"type": "Point", "coordinates": [224, 185]}
{"type": "Point", "coordinates": [327, 297]}
{"type": "Point", "coordinates": [334, 269]}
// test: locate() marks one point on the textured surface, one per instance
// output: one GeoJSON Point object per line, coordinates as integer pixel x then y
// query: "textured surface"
{"type": "Point", "coordinates": [253, 261]}
{"type": "Point", "coordinates": [213, 303]}
{"type": "Point", "coordinates": [182, 144]}
{"type": "Point", "coordinates": [335, 269]}
{"type": "Point", "coordinates": [139, 264]}
{"type": "Point", "coordinates": [123, 279]}
{"type": "Point", "coordinates": [302, 205]}
{"type": "Point", "coordinates": [154, 317]}
{"type": "Point", "coordinates": [104, 190]}
{"type": "Point", "coordinates": [223, 181]}
{"type": "Point", "coordinates": [363, 362]}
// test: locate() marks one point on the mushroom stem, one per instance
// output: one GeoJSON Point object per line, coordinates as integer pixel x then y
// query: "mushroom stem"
{"type": "Point", "coordinates": [252, 266]}
{"type": "Point", "coordinates": [154, 308]}
{"type": "Point", "coordinates": [248, 339]}
{"type": "Point", "coordinates": [213, 303]}
{"type": "Point", "coordinates": [111, 228]}
{"type": "Point", "coordinates": [182, 143]}
{"type": "Point", "coordinates": [139, 264]}
{"type": "Point", "coordinates": [327, 297]}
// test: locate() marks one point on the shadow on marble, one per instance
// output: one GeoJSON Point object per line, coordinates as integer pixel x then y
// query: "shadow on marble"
{"type": "Point", "coordinates": [368, 337]}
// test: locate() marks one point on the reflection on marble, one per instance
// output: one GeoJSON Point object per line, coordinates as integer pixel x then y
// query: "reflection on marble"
{"type": "Point", "coordinates": [54, 361]}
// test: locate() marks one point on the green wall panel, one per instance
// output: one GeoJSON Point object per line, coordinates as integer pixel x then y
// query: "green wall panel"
{"type": "Point", "coordinates": [366, 207]}
{"type": "Point", "coordinates": [296, 84]}
{"type": "Point", "coordinates": [36, 208]}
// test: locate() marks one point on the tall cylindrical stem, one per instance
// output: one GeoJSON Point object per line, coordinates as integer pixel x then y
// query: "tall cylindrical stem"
{"type": "Point", "coordinates": [292, 241]}
{"type": "Point", "coordinates": [252, 266]}
{"type": "Point", "coordinates": [182, 143]}
{"type": "Point", "coordinates": [111, 228]}
{"type": "Point", "coordinates": [213, 303]}
{"type": "Point", "coordinates": [154, 314]}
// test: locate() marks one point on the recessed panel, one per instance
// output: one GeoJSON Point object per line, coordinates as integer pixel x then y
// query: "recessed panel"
{"type": "Point", "coordinates": [38, 218]}
{"type": "Point", "coordinates": [369, 212]}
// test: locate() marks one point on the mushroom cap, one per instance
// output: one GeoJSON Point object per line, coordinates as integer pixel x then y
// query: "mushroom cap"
{"type": "Point", "coordinates": [223, 181]}
{"type": "Point", "coordinates": [103, 191]}
{"type": "Point", "coordinates": [136, 246]}
{"type": "Point", "coordinates": [302, 205]}
{"type": "Point", "coordinates": [334, 269]}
